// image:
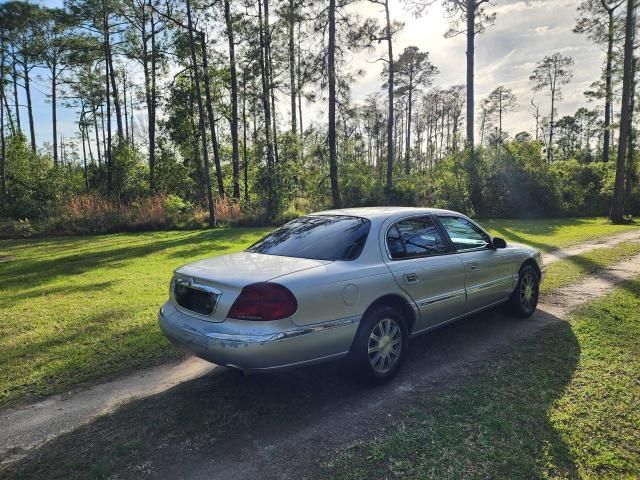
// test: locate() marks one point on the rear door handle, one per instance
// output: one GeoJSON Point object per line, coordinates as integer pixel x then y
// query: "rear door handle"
{"type": "Point", "coordinates": [473, 267]}
{"type": "Point", "coordinates": [411, 277]}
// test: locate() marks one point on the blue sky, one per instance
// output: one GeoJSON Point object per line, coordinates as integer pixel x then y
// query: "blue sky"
{"type": "Point", "coordinates": [525, 31]}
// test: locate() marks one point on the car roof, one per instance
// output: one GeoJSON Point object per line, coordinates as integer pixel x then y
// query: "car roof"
{"type": "Point", "coordinates": [379, 213]}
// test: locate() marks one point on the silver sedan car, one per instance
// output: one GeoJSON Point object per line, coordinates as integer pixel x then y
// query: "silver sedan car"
{"type": "Point", "coordinates": [356, 283]}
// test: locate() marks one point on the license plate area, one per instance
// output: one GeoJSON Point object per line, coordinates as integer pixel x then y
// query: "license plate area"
{"type": "Point", "coordinates": [196, 297]}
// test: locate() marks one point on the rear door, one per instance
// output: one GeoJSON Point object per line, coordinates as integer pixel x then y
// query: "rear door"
{"type": "Point", "coordinates": [419, 256]}
{"type": "Point", "coordinates": [488, 276]}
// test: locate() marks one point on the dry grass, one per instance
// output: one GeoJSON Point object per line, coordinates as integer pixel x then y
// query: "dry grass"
{"type": "Point", "coordinates": [93, 213]}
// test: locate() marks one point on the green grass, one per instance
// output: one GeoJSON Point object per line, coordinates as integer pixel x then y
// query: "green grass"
{"type": "Point", "coordinates": [548, 234]}
{"type": "Point", "coordinates": [83, 309]}
{"type": "Point", "coordinates": [564, 404]}
{"type": "Point", "coordinates": [79, 309]}
{"type": "Point", "coordinates": [573, 269]}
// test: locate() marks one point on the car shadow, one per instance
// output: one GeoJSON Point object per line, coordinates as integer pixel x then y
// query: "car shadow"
{"type": "Point", "coordinates": [215, 422]}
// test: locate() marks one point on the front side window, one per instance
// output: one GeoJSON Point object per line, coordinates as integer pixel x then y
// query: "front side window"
{"type": "Point", "coordinates": [318, 237]}
{"type": "Point", "coordinates": [464, 234]}
{"type": "Point", "coordinates": [414, 237]}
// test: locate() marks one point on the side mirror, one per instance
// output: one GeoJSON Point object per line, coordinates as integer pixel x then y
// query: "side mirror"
{"type": "Point", "coordinates": [499, 243]}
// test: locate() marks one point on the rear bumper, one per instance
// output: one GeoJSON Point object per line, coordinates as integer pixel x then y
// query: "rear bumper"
{"type": "Point", "coordinates": [255, 346]}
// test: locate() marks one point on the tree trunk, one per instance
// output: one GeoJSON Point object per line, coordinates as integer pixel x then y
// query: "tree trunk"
{"type": "Point", "coordinates": [147, 95]}
{"type": "Point", "coordinates": [629, 175]}
{"type": "Point", "coordinates": [126, 110]}
{"type": "Point", "coordinates": [201, 124]}
{"type": "Point", "coordinates": [390, 118]}
{"type": "Point", "coordinates": [266, 105]}
{"type": "Point", "coordinates": [91, 157]}
{"type": "Point", "coordinates": [197, 162]}
{"type": "Point", "coordinates": [27, 90]}
{"type": "Point", "coordinates": [108, 151]}
{"type": "Point", "coordinates": [131, 109]}
{"type": "Point", "coordinates": [151, 110]}
{"type": "Point", "coordinates": [14, 75]}
{"type": "Point", "coordinates": [95, 126]}
{"type": "Point", "coordinates": [551, 117]}
{"type": "Point", "coordinates": [292, 65]}
{"type": "Point", "coordinates": [617, 209]}
{"type": "Point", "coordinates": [106, 32]}
{"type": "Point", "coordinates": [407, 154]}
{"type": "Point", "coordinates": [608, 89]}
{"type": "Point", "coordinates": [299, 89]}
{"type": "Point", "coordinates": [471, 34]}
{"type": "Point", "coordinates": [331, 65]}
{"type": "Point", "coordinates": [500, 115]}
{"type": "Point", "coordinates": [54, 116]}
{"type": "Point", "coordinates": [3, 148]}
{"type": "Point", "coordinates": [234, 101]}
{"type": "Point", "coordinates": [212, 119]}
{"type": "Point", "coordinates": [84, 151]}
{"type": "Point", "coordinates": [245, 165]}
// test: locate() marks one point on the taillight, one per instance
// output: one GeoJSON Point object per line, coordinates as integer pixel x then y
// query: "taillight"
{"type": "Point", "coordinates": [263, 301]}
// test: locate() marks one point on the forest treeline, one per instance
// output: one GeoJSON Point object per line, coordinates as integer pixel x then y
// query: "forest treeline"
{"type": "Point", "coordinates": [191, 112]}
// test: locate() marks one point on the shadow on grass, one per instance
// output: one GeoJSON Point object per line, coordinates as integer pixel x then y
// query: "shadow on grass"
{"type": "Point", "coordinates": [486, 400]}
{"type": "Point", "coordinates": [21, 294]}
{"type": "Point", "coordinates": [74, 354]}
{"type": "Point", "coordinates": [36, 271]}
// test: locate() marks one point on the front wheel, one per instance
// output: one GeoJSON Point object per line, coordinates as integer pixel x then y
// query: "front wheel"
{"type": "Point", "coordinates": [380, 346]}
{"type": "Point", "coordinates": [524, 298]}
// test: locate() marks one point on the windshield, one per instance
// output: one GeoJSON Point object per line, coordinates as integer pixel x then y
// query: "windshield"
{"type": "Point", "coordinates": [318, 237]}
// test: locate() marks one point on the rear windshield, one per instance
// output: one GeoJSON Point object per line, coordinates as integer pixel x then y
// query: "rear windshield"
{"type": "Point", "coordinates": [319, 237]}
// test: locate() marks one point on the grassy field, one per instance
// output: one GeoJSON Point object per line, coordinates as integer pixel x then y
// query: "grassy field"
{"type": "Point", "coordinates": [548, 234]}
{"type": "Point", "coordinates": [82, 309]}
{"type": "Point", "coordinates": [79, 309]}
{"type": "Point", "coordinates": [564, 404]}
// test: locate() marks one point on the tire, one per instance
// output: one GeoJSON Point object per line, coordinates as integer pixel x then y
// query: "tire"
{"type": "Point", "coordinates": [524, 299]}
{"type": "Point", "coordinates": [382, 328]}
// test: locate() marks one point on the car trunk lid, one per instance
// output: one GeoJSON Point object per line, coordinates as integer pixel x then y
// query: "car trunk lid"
{"type": "Point", "coordinates": [207, 288]}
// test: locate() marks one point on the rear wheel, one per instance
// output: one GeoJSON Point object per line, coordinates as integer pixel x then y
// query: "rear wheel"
{"type": "Point", "coordinates": [380, 345]}
{"type": "Point", "coordinates": [524, 298]}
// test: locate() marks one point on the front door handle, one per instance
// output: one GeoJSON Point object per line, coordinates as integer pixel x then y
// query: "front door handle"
{"type": "Point", "coordinates": [473, 267]}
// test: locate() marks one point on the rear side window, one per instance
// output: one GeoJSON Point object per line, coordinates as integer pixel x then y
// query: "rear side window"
{"type": "Point", "coordinates": [414, 237]}
{"type": "Point", "coordinates": [318, 237]}
{"type": "Point", "coordinates": [464, 234]}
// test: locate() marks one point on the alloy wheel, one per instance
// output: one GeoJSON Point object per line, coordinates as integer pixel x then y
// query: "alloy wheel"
{"type": "Point", "coordinates": [385, 345]}
{"type": "Point", "coordinates": [528, 292]}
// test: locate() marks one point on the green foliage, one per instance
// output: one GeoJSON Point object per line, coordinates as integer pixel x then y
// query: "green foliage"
{"type": "Point", "coordinates": [177, 209]}
{"type": "Point", "coordinates": [34, 188]}
{"type": "Point", "coordinates": [451, 185]}
{"type": "Point", "coordinates": [584, 187]}
{"type": "Point", "coordinates": [517, 181]}
{"type": "Point", "coordinates": [130, 175]}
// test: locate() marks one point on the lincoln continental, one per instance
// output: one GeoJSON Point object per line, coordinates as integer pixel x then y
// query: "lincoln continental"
{"type": "Point", "coordinates": [355, 283]}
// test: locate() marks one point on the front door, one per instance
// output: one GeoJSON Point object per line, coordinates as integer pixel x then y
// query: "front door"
{"type": "Point", "coordinates": [488, 276]}
{"type": "Point", "coordinates": [420, 261]}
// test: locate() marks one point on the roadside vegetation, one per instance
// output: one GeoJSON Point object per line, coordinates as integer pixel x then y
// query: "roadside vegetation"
{"type": "Point", "coordinates": [83, 309]}
{"type": "Point", "coordinates": [563, 404]}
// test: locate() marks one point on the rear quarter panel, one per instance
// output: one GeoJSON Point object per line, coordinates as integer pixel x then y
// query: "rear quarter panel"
{"type": "Point", "coordinates": [339, 290]}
